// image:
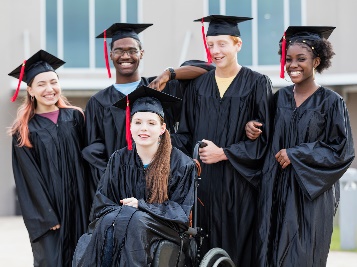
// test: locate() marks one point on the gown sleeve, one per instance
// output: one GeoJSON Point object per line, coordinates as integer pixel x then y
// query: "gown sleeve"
{"type": "Point", "coordinates": [320, 164]}
{"type": "Point", "coordinates": [183, 139]}
{"type": "Point", "coordinates": [94, 151]}
{"type": "Point", "coordinates": [181, 197]}
{"type": "Point", "coordinates": [36, 207]}
{"type": "Point", "coordinates": [247, 156]}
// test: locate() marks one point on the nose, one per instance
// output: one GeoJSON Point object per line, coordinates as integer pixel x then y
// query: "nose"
{"type": "Point", "coordinates": [293, 63]}
{"type": "Point", "coordinates": [143, 127]}
{"type": "Point", "coordinates": [49, 87]}
{"type": "Point", "coordinates": [126, 54]}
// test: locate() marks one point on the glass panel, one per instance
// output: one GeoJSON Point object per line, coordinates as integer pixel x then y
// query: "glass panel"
{"type": "Point", "coordinates": [213, 7]}
{"type": "Point", "coordinates": [242, 8]}
{"type": "Point", "coordinates": [76, 33]}
{"type": "Point", "coordinates": [295, 12]}
{"type": "Point", "coordinates": [51, 26]}
{"type": "Point", "coordinates": [270, 28]}
{"type": "Point", "coordinates": [107, 12]}
{"type": "Point", "coordinates": [132, 11]}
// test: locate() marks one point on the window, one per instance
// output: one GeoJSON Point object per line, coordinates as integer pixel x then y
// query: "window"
{"type": "Point", "coordinates": [71, 28]}
{"type": "Point", "coordinates": [261, 35]}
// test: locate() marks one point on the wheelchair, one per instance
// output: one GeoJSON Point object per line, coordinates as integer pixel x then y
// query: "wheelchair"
{"type": "Point", "coordinates": [187, 254]}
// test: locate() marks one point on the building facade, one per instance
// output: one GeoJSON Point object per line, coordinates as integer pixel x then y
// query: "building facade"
{"type": "Point", "coordinates": [67, 29]}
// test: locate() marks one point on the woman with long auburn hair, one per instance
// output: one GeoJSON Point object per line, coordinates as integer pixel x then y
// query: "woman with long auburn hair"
{"type": "Point", "coordinates": [146, 193]}
{"type": "Point", "coordinates": [47, 163]}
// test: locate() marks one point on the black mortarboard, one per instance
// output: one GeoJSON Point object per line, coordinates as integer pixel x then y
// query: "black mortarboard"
{"type": "Point", "coordinates": [223, 25]}
{"type": "Point", "coordinates": [304, 34]}
{"type": "Point", "coordinates": [144, 99]}
{"type": "Point", "coordinates": [308, 32]}
{"type": "Point", "coordinates": [41, 61]}
{"type": "Point", "coordinates": [220, 25]}
{"type": "Point", "coordinates": [119, 31]}
{"type": "Point", "coordinates": [123, 30]}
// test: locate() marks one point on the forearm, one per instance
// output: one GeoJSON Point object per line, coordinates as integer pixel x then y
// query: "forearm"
{"type": "Point", "coordinates": [188, 72]}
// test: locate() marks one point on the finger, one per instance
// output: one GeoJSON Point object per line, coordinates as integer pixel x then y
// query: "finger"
{"type": "Point", "coordinates": [277, 155]}
{"type": "Point", "coordinates": [257, 124]}
{"type": "Point", "coordinates": [250, 136]}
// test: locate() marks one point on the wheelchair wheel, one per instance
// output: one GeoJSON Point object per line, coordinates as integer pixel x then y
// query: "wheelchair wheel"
{"type": "Point", "coordinates": [224, 261]}
{"type": "Point", "coordinates": [216, 257]}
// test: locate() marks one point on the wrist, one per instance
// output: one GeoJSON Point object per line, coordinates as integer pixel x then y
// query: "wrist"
{"type": "Point", "coordinates": [172, 73]}
{"type": "Point", "coordinates": [223, 155]}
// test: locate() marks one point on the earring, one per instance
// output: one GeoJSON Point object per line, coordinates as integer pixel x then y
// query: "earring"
{"type": "Point", "coordinates": [32, 98]}
{"type": "Point", "coordinates": [285, 77]}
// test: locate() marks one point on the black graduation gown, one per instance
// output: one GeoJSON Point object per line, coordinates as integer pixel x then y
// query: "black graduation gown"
{"type": "Point", "coordinates": [50, 182]}
{"type": "Point", "coordinates": [297, 204]}
{"type": "Point", "coordinates": [137, 232]}
{"type": "Point", "coordinates": [227, 188]}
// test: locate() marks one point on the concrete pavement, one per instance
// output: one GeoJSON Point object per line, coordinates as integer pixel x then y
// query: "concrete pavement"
{"type": "Point", "coordinates": [15, 249]}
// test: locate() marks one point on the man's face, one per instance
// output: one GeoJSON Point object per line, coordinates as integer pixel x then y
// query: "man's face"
{"type": "Point", "coordinates": [126, 56]}
{"type": "Point", "coordinates": [223, 50]}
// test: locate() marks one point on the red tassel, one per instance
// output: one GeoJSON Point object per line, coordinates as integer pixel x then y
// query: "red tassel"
{"type": "Point", "coordinates": [127, 125]}
{"type": "Point", "coordinates": [209, 58]}
{"type": "Point", "coordinates": [283, 55]}
{"type": "Point", "coordinates": [20, 80]}
{"type": "Point", "coordinates": [106, 54]}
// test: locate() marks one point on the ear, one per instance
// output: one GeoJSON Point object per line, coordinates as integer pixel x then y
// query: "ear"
{"type": "Point", "coordinates": [141, 54]}
{"type": "Point", "coordinates": [239, 44]}
{"type": "Point", "coordinates": [163, 128]}
{"type": "Point", "coordinates": [317, 62]}
{"type": "Point", "coordinates": [111, 55]}
{"type": "Point", "coordinates": [30, 90]}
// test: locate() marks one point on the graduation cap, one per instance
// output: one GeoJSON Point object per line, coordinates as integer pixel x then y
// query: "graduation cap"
{"type": "Point", "coordinates": [144, 99]}
{"type": "Point", "coordinates": [119, 31]}
{"type": "Point", "coordinates": [302, 34]}
{"type": "Point", "coordinates": [41, 61]}
{"type": "Point", "coordinates": [220, 25]}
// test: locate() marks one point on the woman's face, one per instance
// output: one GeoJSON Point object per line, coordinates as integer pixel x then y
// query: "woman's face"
{"type": "Point", "coordinates": [46, 89]}
{"type": "Point", "coordinates": [300, 63]}
{"type": "Point", "coordinates": [146, 129]}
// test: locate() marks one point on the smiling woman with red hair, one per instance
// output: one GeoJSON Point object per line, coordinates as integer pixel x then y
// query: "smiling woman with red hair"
{"type": "Point", "coordinates": [47, 163]}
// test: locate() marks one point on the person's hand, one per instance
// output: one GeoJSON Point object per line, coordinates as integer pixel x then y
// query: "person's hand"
{"type": "Point", "coordinates": [252, 129]}
{"type": "Point", "coordinates": [282, 158]}
{"type": "Point", "coordinates": [131, 201]}
{"type": "Point", "coordinates": [160, 81]}
{"type": "Point", "coordinates": [211, 153]}
{"type": "Point", "coordinates": [55, 227]}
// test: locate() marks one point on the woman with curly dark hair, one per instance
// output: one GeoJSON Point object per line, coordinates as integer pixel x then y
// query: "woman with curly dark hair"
{"type": "Point", "coordinates": [311, 149]}
{"type": "Point", "coordinates": [146, 192]}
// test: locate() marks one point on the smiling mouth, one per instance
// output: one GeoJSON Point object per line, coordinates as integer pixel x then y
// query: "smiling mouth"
{"type": "Point", "coordinates": [49, 96]}
{"type": "Point", "coordinates": [125, 64]}
{"type": "Point", "coordinates": [295, 73]}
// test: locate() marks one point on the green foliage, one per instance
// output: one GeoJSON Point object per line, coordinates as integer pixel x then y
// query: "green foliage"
{"type": "Point", "coordinates": [336, 241]}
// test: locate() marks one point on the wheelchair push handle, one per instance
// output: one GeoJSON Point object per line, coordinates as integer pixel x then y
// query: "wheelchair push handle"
{"type": "Point", "coordinates": [198, 145]}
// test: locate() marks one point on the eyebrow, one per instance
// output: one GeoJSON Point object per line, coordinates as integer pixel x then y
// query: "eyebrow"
{"type": "Point", "coordinates": [127, 48]}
